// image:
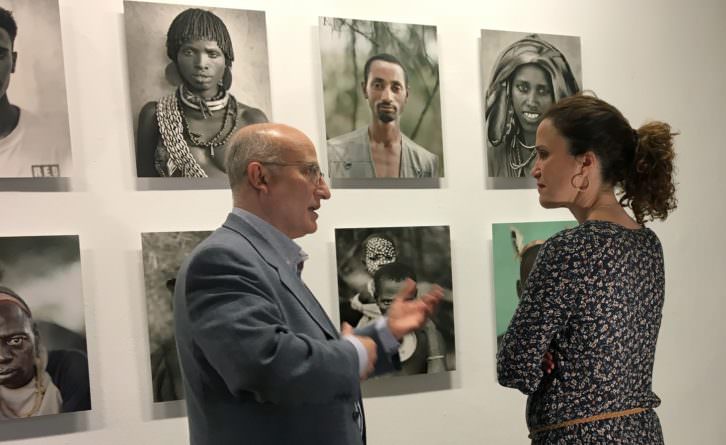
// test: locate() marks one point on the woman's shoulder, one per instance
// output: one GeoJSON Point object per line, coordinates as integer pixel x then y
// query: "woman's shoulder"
{"type": "Point", "coordinates": [578, 241]}
{"type": "Point", "coordinates": [591, 238]}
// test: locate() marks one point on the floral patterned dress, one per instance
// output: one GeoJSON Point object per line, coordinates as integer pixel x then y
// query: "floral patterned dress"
{"type": "Point", "coordinates": [594, 300]}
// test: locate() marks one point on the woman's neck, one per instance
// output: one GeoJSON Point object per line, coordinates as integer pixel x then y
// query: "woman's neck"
{"type": "Point", "coordinates": [604, 207]}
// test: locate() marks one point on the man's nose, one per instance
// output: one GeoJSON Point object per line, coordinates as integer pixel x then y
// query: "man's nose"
{"type": "Point", "coordinates": [323, 190]}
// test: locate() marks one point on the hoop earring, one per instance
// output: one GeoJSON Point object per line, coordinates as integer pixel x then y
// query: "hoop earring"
{"type": "Point", "coordinates": [583, 185]}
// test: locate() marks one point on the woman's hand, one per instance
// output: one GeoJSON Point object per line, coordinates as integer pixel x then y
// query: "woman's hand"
{"type": "Point", "coordinates": [548, 363]}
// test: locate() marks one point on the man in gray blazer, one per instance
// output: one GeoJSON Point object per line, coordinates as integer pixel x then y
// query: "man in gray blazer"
{"type": "Point", "coordinates": [262, 362]}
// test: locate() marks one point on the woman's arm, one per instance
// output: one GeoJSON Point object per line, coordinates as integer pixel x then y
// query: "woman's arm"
{"type": "Point", "coordinates": [546, 305]}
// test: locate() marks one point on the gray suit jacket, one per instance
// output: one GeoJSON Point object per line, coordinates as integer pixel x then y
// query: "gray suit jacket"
{"type": "Point", "coordinates": [262, 362]}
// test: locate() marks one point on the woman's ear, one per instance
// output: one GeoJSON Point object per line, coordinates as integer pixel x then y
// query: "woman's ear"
{"type": "Point", "coordinates": [589, 161]}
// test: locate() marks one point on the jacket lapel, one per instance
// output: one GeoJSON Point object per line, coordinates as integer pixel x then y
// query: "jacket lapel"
{"type": "Point", "coordinates": [287, 277]}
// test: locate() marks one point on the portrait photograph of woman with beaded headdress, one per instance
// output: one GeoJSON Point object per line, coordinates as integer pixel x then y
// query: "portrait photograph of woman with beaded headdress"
{"type": "Point", "coordinates": [524, 74]}
{"type": "Point", "coordinates": [43, 354]}
{"type": "Point", "coordinates": [195, 76]}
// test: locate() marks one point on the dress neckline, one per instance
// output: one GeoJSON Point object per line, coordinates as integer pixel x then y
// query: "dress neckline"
{"type": "Point", "coordinates": [615, 225]}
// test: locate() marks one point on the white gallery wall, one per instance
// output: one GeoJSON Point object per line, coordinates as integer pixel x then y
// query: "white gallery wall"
{"type": "Point", "coordinates": [654, 59]}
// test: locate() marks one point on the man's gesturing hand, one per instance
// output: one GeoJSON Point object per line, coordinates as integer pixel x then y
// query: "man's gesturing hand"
{"type": "Point", "coordinates": [408, 313]}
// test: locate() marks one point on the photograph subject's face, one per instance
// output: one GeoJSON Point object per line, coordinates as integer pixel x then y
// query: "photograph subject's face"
{"type": "Point", "coordinates": [387, 293]}
{"type": "Point", "coordinates": [201, 65]}
{"type": "Point", "coordinates": [17, 349]}
{"type": "Point", "coordinates": [7, 62]}
{"type": "Point", "coordinates": [386, 91]}
{"type": "Point", "coordinates": [531, 96]}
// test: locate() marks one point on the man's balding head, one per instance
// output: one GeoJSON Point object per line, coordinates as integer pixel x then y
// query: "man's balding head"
{"type": "Point", "coordinates": [274, 173]}
{"type": "Point", "coordinates": [266, 142]}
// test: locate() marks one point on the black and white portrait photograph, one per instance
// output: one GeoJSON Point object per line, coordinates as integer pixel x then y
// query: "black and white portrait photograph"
{"type": "Point", "coordinates": [163, 253]}
{"type": "Point", "coordinates": [196, 75]}
{"type": "Point", "coordinates": [34, 133]}
{"type": "Point", "coordinates": [523, 75]}
{"type": "Point", "coordinates": [382, 99]}
{"type": "Point", "coordinates": [374, 263]}
{"type": "Point", "coordinates": [43, 355]}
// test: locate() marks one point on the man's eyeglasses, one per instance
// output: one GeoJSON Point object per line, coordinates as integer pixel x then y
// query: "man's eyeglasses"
{"type": "Point", "coordinates": [310, 169]}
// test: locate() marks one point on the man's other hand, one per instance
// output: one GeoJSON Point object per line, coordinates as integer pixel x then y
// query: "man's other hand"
{"type": "Point", "coordinates": [408, 313]}
{"type": "Point", "coordinates": [368, 344]}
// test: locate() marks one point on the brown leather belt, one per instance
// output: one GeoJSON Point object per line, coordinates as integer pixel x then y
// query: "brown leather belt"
{"type": "Point", "coordinates": [580, 421]}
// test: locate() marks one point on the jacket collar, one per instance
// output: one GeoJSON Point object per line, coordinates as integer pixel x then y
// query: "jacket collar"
{"type": "Point", "coordinates": [281, 254]}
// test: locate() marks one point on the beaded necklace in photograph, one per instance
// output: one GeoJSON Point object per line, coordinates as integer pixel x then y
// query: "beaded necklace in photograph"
{"type": "Point", "coordinates": [205, 106]}
{"type": "Point", "coordinates": [517, 163]}
{"type": "Point", "coordinates": [229, 123]}
{"type": "Point", "coordinates": [171, 129]}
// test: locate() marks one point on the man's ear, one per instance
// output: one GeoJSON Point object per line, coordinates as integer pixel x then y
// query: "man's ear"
{"type": "Point", "coordinates": [363, 88]}
{"type": "Point", "coordinates": [15, 61]}
{"type": "Point", "coordinates": [257, 176]}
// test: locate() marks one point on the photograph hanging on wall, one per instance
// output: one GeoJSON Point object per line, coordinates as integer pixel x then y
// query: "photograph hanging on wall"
{"type": "Point", "coordinates": [35, 141]}
{"type": "Point", "coordinates": [382, 99]}
{"type": "Point", "coordinates": [163, 253]}
{"type": "Point", "coordinates": [523, 74]}
{"type": "Point", "coordinates": [44, 367]}
{"type": "Point", "coordinates": [372, 265]}
{"type": "Point", "coordinates": [515, 248]}
{"type": "Point", "coordinates": [195, 76]}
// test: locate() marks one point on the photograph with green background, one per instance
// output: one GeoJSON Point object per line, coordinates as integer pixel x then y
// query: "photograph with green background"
{"type": "Point", "coordinates": [507, 260]}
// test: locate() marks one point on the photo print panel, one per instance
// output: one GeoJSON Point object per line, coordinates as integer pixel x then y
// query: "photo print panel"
{"type": "Point", "coordinates": [381, 90]}
{"type": "Point", "coordinates": [523, 74]}
{"type": "Point", "coordinates": [36, 139]}
{"type": "Point", "coordinates": [163, 253]}
{"type": "Point", "coordinates": [372, 265]}
{"type": "Point", "coordinates": [42, 327]}
{"type": "Point", "coordinates": [195, 77]}
{"type": "Point", "coordinates": [515, 248]}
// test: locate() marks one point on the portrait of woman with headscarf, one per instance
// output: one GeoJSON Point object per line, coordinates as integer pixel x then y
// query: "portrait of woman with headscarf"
{"type": "Point", "coordinates": [529, 75]}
